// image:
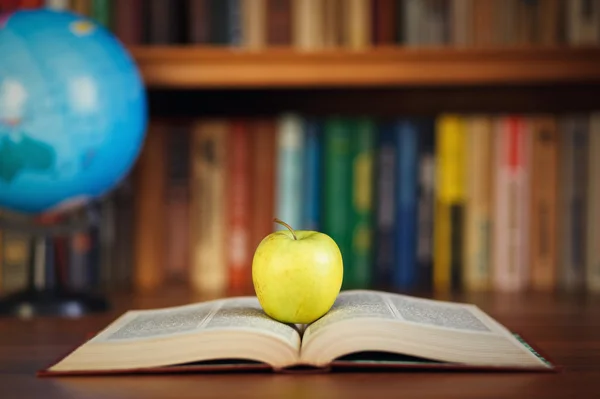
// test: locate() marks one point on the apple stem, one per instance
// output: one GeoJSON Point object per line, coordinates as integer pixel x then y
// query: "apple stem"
{"type": "Point", "coordinates": [281, 222]}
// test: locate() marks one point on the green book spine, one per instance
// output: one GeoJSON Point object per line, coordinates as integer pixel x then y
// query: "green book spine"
{"type": "Point", "coordinates": [363, 147]}
{"type": "Point", "coordinates": [337, 189]}
{"type": "Point", "coordinates": [101, 12]}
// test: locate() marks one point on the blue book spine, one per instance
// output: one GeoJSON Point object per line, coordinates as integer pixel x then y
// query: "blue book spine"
{"type": "Point", "coordinates": [312, 177]}
{"type": "Point", "coordinates": [385, 223]}
{"type": "Point", "coordinates": [235, 22]}
{"type": "Point", "coordinates": [406, 203]}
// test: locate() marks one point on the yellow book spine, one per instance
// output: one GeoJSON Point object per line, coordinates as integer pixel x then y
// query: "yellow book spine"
{"type": "Point", "coordinates": [450, 186]}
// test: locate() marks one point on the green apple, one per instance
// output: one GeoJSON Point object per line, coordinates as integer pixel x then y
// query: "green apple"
{"type": "Point", "coordinates": [297, 275]}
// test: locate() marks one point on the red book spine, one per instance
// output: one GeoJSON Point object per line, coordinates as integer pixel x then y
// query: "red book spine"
{"type": "Point", "coordinates": [238, 187]}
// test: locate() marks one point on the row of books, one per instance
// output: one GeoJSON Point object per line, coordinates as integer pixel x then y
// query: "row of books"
{"type": "Point", "coordinates": [443, 203]}
{"type": "Point", "coordinates": [354, 24]}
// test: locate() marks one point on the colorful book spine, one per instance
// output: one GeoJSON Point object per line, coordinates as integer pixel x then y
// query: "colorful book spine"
{"type": "Point", "coordinates": [311, 192]}
{"type": "Point", "coordinates": [239, 203]}
{"type": "Point", "coordinates": [544, 196]}
{"type": "Point", "coordinates": [290, 157]}
{"type": "Point", "coordinates": [450, 199]}
{"type": "Point", "coordinates": [574, 165]}
{"type": "Point", "coordinates": [425, 204]}
{"type": "Point", "coordinates": [263, 180]}
{"type": "Point", "coordinates": [385, 212]}
{"type": "Point", "coordinates": [209, 159]}
{"type": "Point", "coordinates": [363, 148]}
{"type": "Point", "coordinates": [407, 140]}
{"type": "Point", "coordinates": [478, 210]}
{"type": "Point", "coordinates": [102, 12]}
{"type": "Point", "coordinates": [510, 270]}
{"type": "Point", "coordinates": [337, 189]}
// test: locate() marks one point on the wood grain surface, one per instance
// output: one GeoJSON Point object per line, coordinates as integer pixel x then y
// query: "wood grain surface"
{"type": "Point", "coordinates": [201, 67]}
{"type": "Point", "coordinates": [566, 328]}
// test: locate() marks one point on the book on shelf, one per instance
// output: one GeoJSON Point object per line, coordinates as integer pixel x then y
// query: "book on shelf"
{"type": "Point", "coordinates": [363, 328]}
{"type": "Point", "coordinates": [309, 25]}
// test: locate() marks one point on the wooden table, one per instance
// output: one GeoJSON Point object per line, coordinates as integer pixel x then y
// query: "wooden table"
{"type": "Point", "coordinates": [567, 328]}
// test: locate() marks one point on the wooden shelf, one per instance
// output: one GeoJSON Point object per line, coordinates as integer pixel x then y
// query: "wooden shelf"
{"type": "Point", "coordinates": [198, 67]}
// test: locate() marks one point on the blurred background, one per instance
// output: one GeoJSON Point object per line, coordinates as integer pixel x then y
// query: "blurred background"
{"type": "Point", "coordinates": [446, 145]}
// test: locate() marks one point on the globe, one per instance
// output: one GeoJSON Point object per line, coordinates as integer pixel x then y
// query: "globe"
{"type": "Point", "coordinates": [72, 111]}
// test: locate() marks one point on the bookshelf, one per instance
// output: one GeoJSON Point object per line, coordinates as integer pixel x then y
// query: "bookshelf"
{"type": "Point", "coordinates": [486, 58]}
{"type": "Point", "coordinates": [196, 67]}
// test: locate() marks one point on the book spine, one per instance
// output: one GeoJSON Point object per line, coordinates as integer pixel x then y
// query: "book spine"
{"type": "Point", "coordinates": [425, 204]}
{"type": "Point", "coordinates": [593, 217]}
{"type": "Point", "coordinates": [337, 189]}
{"type": "Point", "coordinates": [128, 16]}
{"type": "Point", "coordinates": [253, 24]}
{"type": "Point", "coordinates": [332, 23]}
{"type": "Point", "coordinates": [55, 4]}
{"type": "Point", "coordinates": [102, 12]}
{"type": "Point", "coordinates": [575, 134]}
{"type": "Point", "coordinates": [450, 197]}
{"type": "Point", "coordinates": [177, 203]}
{"type": "Point", "coordinates": [198, 21]}
{"type": "Point", "coordinates": [478, 220]}
{"type": "Point", "coordinates": [510, 266]}
{"type": "Point", "coordinates": [312, 177]}
{"type": "Point", "coordinates": [15, 262]}
{"type": "Point", "coordinates": [385, 224]}
{"type": "Point", "coordinates": [124, 209]}
{"type": "Point", "coordinates": [239, 203]}
{"type": "Point", "coordinates": [357, 23]}
{"type": "Point", "coordinates": [544, 175]}
{"type": "Point", "coordinates": [263, 180]}
{"type": "Point", "coordinates": [363, 143]}
{"type": "Point", "coordinates": [208, 211]}
{"type": "Point", "coordinates": [219, 22]}
{"type": "Point", "coordinates": [290, 169]}
{"type": "Point", "coordinates": [406, 205]}
{"type": "Point", "coordinates": [149, 210]}
{"type": "Point", "coordinates": [234, 16]}
{"type": "Point", "coordinates": [279, 22]}
{"type": "Point", "coordinates": [384, 22]}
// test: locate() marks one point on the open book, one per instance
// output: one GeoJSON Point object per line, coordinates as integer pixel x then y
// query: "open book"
{"type": "Point", "coordinates": [362, 328]}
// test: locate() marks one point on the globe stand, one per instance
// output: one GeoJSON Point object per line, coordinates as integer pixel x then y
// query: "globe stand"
{"type": "Point", "coordinates": [38, 299]}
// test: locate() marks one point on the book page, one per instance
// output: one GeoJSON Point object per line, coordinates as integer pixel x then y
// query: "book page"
{"type": "Point", "coordinates": [352, 305]}
{"type": "Point", "coordinates": [247, 314]}
{"type": "Point", "coordinates": [244, 313]}
{"type": "Point", "coordinates": [381, 305]}
{"type": "Point", "coordinates": [436, 313]}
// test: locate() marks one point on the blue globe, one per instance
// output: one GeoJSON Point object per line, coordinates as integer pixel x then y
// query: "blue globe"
{"type": "Point", "coordinates": [73, 111]}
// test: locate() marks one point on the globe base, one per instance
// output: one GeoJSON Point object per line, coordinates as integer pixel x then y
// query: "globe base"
{"type": "Point", "coordinates": [35, 303]}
